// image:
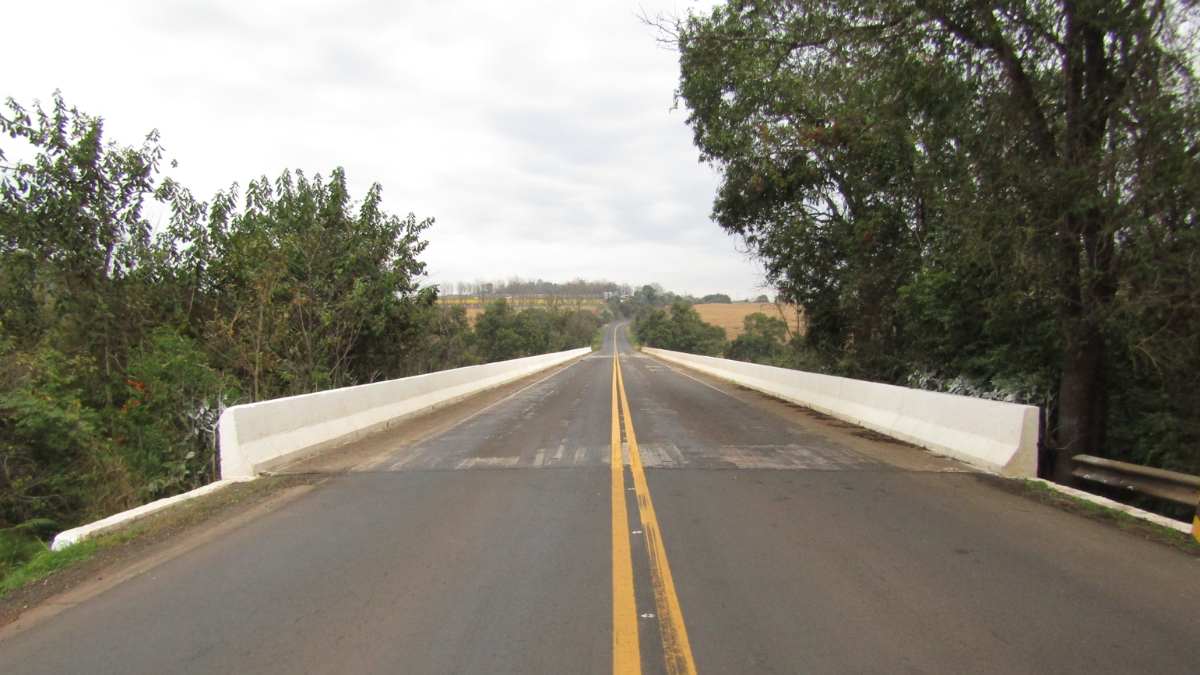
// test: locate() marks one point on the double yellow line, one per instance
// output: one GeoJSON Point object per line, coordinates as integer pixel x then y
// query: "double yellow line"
{"type": "Point", "coordinates": [677, 651]}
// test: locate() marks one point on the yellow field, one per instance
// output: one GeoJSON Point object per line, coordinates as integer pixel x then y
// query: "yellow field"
{"type": "Point", "coordinates": [729, 316]}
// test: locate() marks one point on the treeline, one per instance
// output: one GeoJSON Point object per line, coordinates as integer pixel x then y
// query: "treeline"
{"type": "Point", "coordinates": [516, 286]}
{"type": "Point", "coordinates": [503, 333]}
{"type": "Point", "coordinates": [677, 326]}
{"type": "Point", "coordinates": [1001, 202]}
{"type": "Point", "coordinates": [121, 342]}
{"type": "Point", "coordinates": [654, 295]}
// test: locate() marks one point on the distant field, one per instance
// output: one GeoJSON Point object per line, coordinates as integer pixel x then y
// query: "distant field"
{"type": "Point", "coordinates": [729, 316]}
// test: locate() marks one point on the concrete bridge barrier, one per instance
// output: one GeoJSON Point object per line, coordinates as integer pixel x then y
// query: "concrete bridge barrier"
{"type": "Point", "coordinates": [256, 437]}
{"type": "Point", "coordinates": [991, 435]}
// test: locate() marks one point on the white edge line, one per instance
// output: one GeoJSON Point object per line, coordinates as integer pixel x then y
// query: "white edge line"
{"type": "Point", "coordinates": [77, 534]}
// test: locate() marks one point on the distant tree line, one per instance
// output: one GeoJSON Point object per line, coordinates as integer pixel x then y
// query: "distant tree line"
{"type": "Point", "coordinates": [516, 286]}
{"type": "Point", "coordinates": [654, 295]}
{"type": "Point", "coordinates": [668, 321]}
{"type": "Point", "coordinates": [121, 342]}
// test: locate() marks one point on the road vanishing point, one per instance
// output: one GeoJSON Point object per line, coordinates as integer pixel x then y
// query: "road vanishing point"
{"type": "Point", "coordinates": [619, 515]}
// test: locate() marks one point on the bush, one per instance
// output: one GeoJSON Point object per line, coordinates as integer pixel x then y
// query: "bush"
{"type": "Point", "coordinates": [762, 341]}
{"type": "Point", "coordinates": [679, 329]}
{"type": "Point", "coordinates": [168, 420]}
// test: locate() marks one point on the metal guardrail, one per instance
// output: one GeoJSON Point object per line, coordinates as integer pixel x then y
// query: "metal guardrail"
{"type": "Point", "coordinates": [1180, 488]}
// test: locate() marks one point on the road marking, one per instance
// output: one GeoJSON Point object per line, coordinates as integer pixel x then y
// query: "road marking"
{"type": "Point", "coordinates": [677, 650]}
{"type": "Point", "coordinates": [627, 657]}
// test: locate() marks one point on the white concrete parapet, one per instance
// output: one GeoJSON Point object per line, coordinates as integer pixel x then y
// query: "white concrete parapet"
{"type": "Point", "coordinates": [991, 435]}
{"type": "Point", "coordinates": [258, 436]}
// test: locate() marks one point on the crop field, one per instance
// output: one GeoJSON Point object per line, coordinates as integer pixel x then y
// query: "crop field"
{"type": "Point", "coordinates": [729, 315]}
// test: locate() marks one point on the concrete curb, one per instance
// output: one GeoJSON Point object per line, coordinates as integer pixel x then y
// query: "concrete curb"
{"type": "Point", "coordinates": [77, 534]}
{"type": "Point", "coordinates": [1177, 525]}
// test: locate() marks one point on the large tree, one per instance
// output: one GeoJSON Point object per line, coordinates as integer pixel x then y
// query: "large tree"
{"type": "Point", "coordinates": [1032, 155]}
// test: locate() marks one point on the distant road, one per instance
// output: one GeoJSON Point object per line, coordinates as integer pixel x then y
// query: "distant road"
{"type": "Point", "coordinates": [738, 535]}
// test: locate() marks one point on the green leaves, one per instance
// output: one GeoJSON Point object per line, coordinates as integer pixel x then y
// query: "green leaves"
{"type": "Point", "coordinates": [503, 333]}
{"type": "Point", "coordinates": [762, 341]}
{"type": "Point", "coordinates": [679, 329]}
{"type": "Point", "coordinates": [119, 349]}
{"type": "Point", "coordinates": [957, 192]}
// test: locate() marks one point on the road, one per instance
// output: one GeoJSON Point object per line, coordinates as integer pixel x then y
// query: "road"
{"type": "Point", "coordinates": [738, 535]}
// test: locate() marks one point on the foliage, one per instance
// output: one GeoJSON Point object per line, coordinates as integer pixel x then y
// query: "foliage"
{"type": "Point", "coordinates": [678, 328]}
{"type": "Point", "coordinates": [167, 422]}
{"type": "Point", "coordinates": [646, 296]}
{"type": "Point", "coordinates": [120, 343]}
{"type": "Point", "coordinates": [502, 333]}
{"type": "Point", "coordinates": [1006, 196]}
{"type": "Point", "coordinates": [17, 546]}
{"type": "Point", "coordinates": [516, 286]}
{"type": "Point", "coordinates": [36, 561]}
{"type": "Point", "coordinates": [762, 341]}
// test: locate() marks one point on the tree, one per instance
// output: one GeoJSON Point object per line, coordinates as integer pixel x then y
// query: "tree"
{"type": "Point", "coordinates": [119, 346]}
{"type": "Point", "coordinates": [1050, 149]}
{"type": "Point", "coordinates": [680, 329]}
{"type": "Point", "coordinates": [762, 340]}
{"type": "Point", "coordinates": [72, 244]}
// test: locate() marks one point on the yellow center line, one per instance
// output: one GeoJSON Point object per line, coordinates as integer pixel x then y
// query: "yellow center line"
{"type": "Point", "coordinates": [677, 650]}
{"type": "Point", "coordinates": [626, 650]}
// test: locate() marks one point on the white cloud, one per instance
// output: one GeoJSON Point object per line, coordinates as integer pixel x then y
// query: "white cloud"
{"type": "Point", "coordinates": [540, 135]}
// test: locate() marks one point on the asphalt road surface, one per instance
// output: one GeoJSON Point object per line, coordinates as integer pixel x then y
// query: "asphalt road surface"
{"type": "Point", "coordinates": [737, 535]}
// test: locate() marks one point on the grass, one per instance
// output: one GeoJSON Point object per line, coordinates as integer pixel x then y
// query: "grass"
{"type": "Point", "coordinates": [25, 559]}
{"type": "Point", "coordinates": [730, 315]}
{"type": "Point", "coordinates": [1048, 495]}
{"type": "Point", "coordinates": [598, 339]}
{"type": "Point", "coordinates": [45, 562]}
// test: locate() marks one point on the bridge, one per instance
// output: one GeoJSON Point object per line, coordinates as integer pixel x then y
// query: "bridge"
{"type": "Point", "coordinates": [623, 513]}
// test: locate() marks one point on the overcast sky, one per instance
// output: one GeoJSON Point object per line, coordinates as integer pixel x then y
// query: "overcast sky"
{"type": "Point", "coordinates": [540, 135]}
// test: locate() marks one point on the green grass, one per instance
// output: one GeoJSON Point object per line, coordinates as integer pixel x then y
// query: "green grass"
{"type": "Point", "coordinates": [1048, 495]}
{"type": "Point", "coordinates": [25, 558]}
{"type": "Point", "coordinates": [598, 339]}
{"type": "Point", "coordinates": [44, 562]}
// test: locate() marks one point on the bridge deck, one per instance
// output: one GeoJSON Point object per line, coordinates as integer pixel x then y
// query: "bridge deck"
{"type": "Point", "coordinates": [793, 544]}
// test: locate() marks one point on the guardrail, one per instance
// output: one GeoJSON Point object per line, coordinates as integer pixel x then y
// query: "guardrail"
{"type": "Point", "coordinates": [1172, 486]}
